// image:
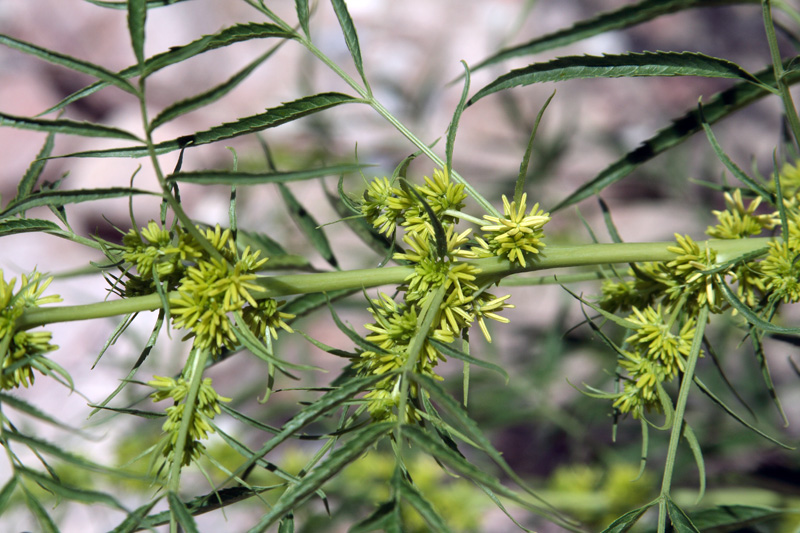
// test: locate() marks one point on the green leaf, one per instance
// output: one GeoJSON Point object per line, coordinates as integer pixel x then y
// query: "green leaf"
{"type": "Point", "coordinates": [278, 257]}
{"type": "Point", "coordinates": [59, 198]}
{"type": "Point", "coordinates": [212, 95]}
{"type": "Point", "coordinates": [287, 524]}
{"type": "Point", "coordinates": [69, 492]}
{"type": "Point", "coordinates": [385, 518]}
{"type": "Point", "coordinates": [137, 16]}
{"type": "Point", "coordinates": [625, 17]}
{"type": "Point", "coordinates": [181, 513]}
{"type": "Point", "coordinates": [732, 517]}
{"type": "Point", "coordinates": [124, 5]}
{"type": "Point", "coordinates": [208, 502]}
{"type": "Point", "coordinates": [449, 351]}
{"type": "Point", "coordinates": [67, 127]}
{"type": "Point", "coordinates": [411, 495]}
{"type": "Point", "coordinates": [519, 185]}
{"type": "Point", "coordinates": [309, 226]}
{"type": "Point", "coordinates": [359, 441]}
{"type": "Point", "coordinates": [350, 37]}
{"type": "Point", "coordinates": [273, 117]}
{"type": "Point", "coordinates": [28, 181]}
{"type": "Point", "coordinates": [453, 127]}
{"type": "Point", "coordinates": [6, 492]}
{"type": "Point", "coordinates": [720, 106]}
{"type": "Point", "coordinates": [750, 316]}
{"type": "Point", "coordinates": [679, 520]}
{"type": "Point", "coordinates": [307, 303]}
{"type": "Point", "coordinates": [70, 62]}
{"type": "Point", "coordinates": [628, 520]}
{"type": "Point", "coordinates": [691, 438]}
{"type": "Point", "coordinates": [30, 410]}
{"type": "Point", "coordinates": [133, 521]}
{"type": "Point", "coordinates": [224, 177]}
{"type": "Point", "coordinates": [225, 37]}
{"type": "Point", "coordinates": [38, 510]}
{"type": "Point", "coordinates": [13, 226]}
{"type": "Point", "coordinates": [618, 66]}
{"type": "Point", "coordinates": [302, 15]}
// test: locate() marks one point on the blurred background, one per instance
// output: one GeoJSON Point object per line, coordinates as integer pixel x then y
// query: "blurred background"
{"type": "Point", "coordinates": [548, 431]}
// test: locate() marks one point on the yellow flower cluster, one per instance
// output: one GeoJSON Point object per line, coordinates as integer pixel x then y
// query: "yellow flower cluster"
{"type": "Point", "coordinates": [22, 351]}
{"type": "Point", "coordinates": [437, 266]}
{"type": "Point", "coordinates": [515, 235]}
{"type": "Point", "coordinates": [206, 408]}
{"type": "Point", "coordinates": [210, 289]}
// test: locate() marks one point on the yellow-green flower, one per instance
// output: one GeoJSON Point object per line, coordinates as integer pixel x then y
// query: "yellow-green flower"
{"type": "Point", "coordinates": [781, 271]}
{"type": "Point", "coordinates": [265, 316]}
{"type": "Point", "coordinates": [515, 235]}
{"type": "Point", "coordinates": [740, 222]}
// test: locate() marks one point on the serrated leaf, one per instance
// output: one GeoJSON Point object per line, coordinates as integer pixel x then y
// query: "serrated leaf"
{"type": "Point", "coordinates": [59, 198]}
{"type": "Point", "coordinates": [6, 492]}
{"type": "Point", "coordinates": [302, 15]}
{"type": "Point", "coordinates": [720, 106]}
{"type": "Point", "coordinates": [750, 316]}
{"type": "Point", "coordinates": [225, 37]}
{"type": "Point", "coordinates": [732, 517]}
{"type": "Point", "coordinates": [69, 62]}
{"type": "Point", "coordinates": [67, 127]}
{"type": "Point", "coordinates": [25, 225]}
{"type": "Point", "coordinates": [680, 521]}
{"type": "Point", "coordinates": [208, 502]}
{"type": "Point", "coordinates": [28, 181]}
{"type": "Point", "coordinates": [69, 492]}
{"type": "Point", "coordinates": [408, 493]}
{"type": "Point", "coordinates": [224, 177]}
{"type": "Point", "coordinates": [449, 351]}
{"type": "Point", "coordinates": [38, 510]}
{"type": "Point", "coordinates": [137, 16]}
{"type": "Point", "coordinates": [385, 518]}
{"type": "Point", "coordinates": [273, 117]}
{"type": "Point", "coordinates": [30, 410]}
{"type": "Point", "coordinates": [133, 521]}
{"type": "Point", "coordinates": [359, 441]}
{"type": "Point", "coordinates": [181, 513]}
{"type": "Point", "coordinates": [350, 36]}
{"type": "Point", "coordinates": [212, 95]}
{"type": "Point", "coordinates": [309, 226]}
{"type": "Point", "coordinates": [130, 411]}
{"type": "Point", "coordinates": [624, 17]}
{"type": "Point", "coordinates": [618, 66]}
{"type": "Point", "coordinates": [453, 127]}
{"type": "Point", "coordinates": [628, 520]}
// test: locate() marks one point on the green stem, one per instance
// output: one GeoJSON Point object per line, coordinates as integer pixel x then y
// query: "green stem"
{"type": "Point", "coordinates": [777, 66]}
{"type": "Point", "coordinates": [677, 424]}
{"type": "Point", "coordinates": [492, 268]}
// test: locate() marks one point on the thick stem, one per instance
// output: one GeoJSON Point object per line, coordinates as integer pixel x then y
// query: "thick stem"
{"type": "Point", "coordinates": [492, 268]}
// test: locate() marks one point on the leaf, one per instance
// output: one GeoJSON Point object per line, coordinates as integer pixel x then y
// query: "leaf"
{"type": "Point", "coordinates": [385, 518]}
{"type": "Point", "coordinates": [450, 351]}
{"type": "Point", "coordinates": [181, 513]}
{"type": "Point", "coordinates": [208, 502]}
{"type": "Point", "coordinates": [350, 36]}
{"type": "Point", "coordinates": [750, 316]}
{"type": "Point", "coordinates": [732, 517]}
{"type": "Point", "coordinates": [70, 62]}
{"type": "Point", "coordinates": [28, 181]}
{"type": "Point", "coordinates": [302, 15]}
{"type": "Point", "coordinates": [137, 16]}
{"type": "Point", "coordinates": [59, 198]}
{"type": "Point", "coordinates": [720, 106]}
{"type": "Point", "coordinates": [6, 492]}
{"type": "Point", "coordinates": [691, 438]}
{"type": "Point", "coordinates": [225, 177]}
{"type": "Point", "coordinates": [519, 185]}
{"type": "Point", "coordinates": [307, 303]}
{"type": "Point", "coordinates": [212, 95]}
{"type": "Point", "coordinates": [273, 117]}
{"type": "Point", "coordinates": [225, 37]}
{"type": "Point", "coordinates": [25, 225]}
{"type": "Point", "coordinates": [679, 520]}
{"type": "Point", "coordinates": [411, 495]}
{"type": "Point", "coordinates": [625, 17]}
{"type": "Point", "coordinates": [69, 492]}
{"type": "Point", "coordinates": [67, 127]}
{"type": "Point", "coordinates": [287, 524]}
{"type": "Point", "coordinates": [309, 226]}
{"type": "Point", "coordinates": [44, 519]}
{"type": "Point", "coordinates": [30, 410]}
{"type": "Point", "coordinates": [294, 495]}
{"type": "Point", "coordinates": [124, 4]}
{"type": "Point", "coordinates": [628, 520]}
{"type": "Point", "coordinates": [135, 519]}
{"type": "Point", "coordinates": [618, 66]}
{"type": "Point", "coordinates": [453, 127]}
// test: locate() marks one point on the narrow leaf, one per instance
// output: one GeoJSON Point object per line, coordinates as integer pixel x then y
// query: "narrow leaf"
{"type": "Point", "coordinates": [224, 177]}
{"type": "Point", "coordinates": [720, 106]}
{"type": "Point", "coordinates": [70, 62]}
{"type": "Point", "coordinates": [133, 521]}
{"type": "Point", "coordinates": [67, 127]}
{"type": "Point", "coordinates": [273, 117]}
{"type": "Point", "coordinates": [6, 492]}
{"type": "Point", "coordinates": [60, 198]}
{"type": "Point", "coordinates": [411, 495]}
{"type": "Point", "coordinates": [38, 510]}
{"type": "Point", "coordinates": [618, 66]}
{"type": "Point", "coordinates": [30, 410]}
{"type": "Point", "coordinates": [25, 225]}
{"type": "Point", "coordinates": [385, 518]}
{"type": "Point", "coordinates": [679, 520]}
{"type": "Point", "coordinates": [309, 226]}
{"type": "Point", "coordinates": [124, 4]}
{"type": "Point", "coordinates": [307, 303]}
{"type": "Point", "coordinates": [628, 520]}
{"type": "Point", "coordinates": [624, 17]}
{"type": "Point", "coordinates": [750, 316]}
{"type": "Point", "coordinates": [691, 438]}
{"type": "Point", "coordinates": [28, 182]}
{"type": "Point", "coordinates": [181, 513]}
{"type": "Point", "coordinates": [732, 517]}
{"type": "Point", "coordinates": [137, 16]}
{"type": "Point", "coordinates": [326, 469]}
{"type": "Point", "coordinates": [519, 186]}
{"type": "Point", "coordinates": [69, 492]}
{"type": "Point", "coordinates": [449, 351]}
{"type": "Point", "coordinates": [453, 127]}
{"type": "Point", "coordinates": [287, 524]}
{"type": "Point", "coordinates": [302, 15]}
{"type": "Point", "coordinates": [350, 36]}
